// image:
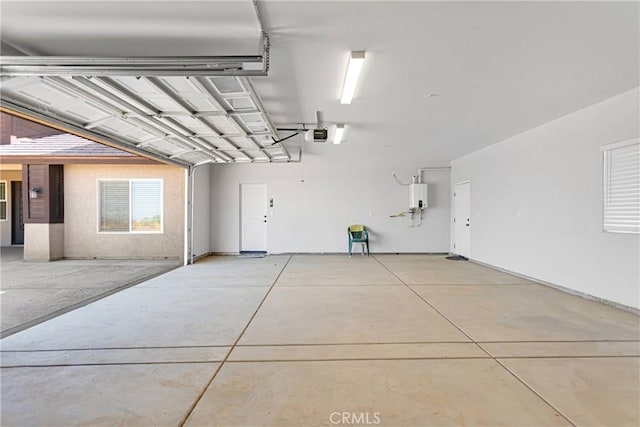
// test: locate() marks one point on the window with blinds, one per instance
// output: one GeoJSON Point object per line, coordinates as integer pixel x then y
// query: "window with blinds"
{"type": "Point", "coordinates": [3, 200]}
{"type": "Point", "coordinates": [130, 206]}
{"type": "Point", "coordinates": [622, 187]}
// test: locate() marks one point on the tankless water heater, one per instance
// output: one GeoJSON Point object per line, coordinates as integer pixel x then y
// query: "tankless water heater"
{"type": "Point", "coordinates": [418, 196]}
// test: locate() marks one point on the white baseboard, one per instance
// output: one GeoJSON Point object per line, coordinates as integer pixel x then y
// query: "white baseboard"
{"type": "Point", "coordinates": [562, 288]}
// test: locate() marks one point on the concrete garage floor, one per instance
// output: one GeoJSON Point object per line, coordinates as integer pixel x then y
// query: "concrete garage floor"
{"type": "Point", "coordinates": [327, 340]}
{"type": "Point", "coordinates": [32, 292]}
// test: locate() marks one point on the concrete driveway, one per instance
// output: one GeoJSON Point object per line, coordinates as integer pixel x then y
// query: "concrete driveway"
{"type": "Point", "coordinates": [31, 292]}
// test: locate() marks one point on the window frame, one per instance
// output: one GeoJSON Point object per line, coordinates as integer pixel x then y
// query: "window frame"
{"type": "Point", "coordinates": [606, 175]}
{"type": "Point", "coordinates": [5, 200]}
{"type": "Point", "coordinates": [130, 180]}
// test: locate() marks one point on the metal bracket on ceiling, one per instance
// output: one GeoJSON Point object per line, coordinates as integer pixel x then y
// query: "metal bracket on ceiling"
{"type": "Point", "coordinates": [266, 47]}
{"type": "Point", "coordinates": [265, 43]}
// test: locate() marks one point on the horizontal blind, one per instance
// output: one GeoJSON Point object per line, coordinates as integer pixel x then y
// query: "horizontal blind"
{"type": "Point", "coordinates": [622, 189]}
{"type": "Point", "coordinates": [114, 206]}
{"type": "Point", "coordinates": [146, 205]}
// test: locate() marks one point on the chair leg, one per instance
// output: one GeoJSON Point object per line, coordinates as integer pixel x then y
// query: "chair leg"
{"type": "Point", "coordinates": [350, 245]}
{"type": "Point", "coordinates": [368, 248]}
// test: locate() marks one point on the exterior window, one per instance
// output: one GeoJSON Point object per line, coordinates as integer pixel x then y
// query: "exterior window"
{"type": "Point", "coordinates": [3, 200]}
{"type": "Point", "coordinates": [130, 206]}
{"type": "Point", "coordinates": [622, 187]}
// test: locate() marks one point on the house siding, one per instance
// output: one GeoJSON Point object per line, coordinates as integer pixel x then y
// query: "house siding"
{"type": "Point", "coordinates": [82, 239]}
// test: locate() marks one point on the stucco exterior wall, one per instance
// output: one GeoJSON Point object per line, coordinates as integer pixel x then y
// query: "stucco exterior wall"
{"type": "Point", "coordinates": [81, 236]}
{"type": "Point", "coordinates": [5, 226]}
{"type": "Point", "coordinates": [43, 242]}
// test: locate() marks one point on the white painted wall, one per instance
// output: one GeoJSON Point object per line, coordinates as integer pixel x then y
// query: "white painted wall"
{"type": "Point", "coordinates": [333, 187]}
{"type": "Point", "coordinates": [536, 203]}
{"type": "Point", "coordinates": [202, 211]}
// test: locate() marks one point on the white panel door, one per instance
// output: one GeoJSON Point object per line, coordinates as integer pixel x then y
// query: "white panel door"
{"type": "Point", "coordinates": [462, 219]}
{"type": "Point", "coordinates": [253, 214]}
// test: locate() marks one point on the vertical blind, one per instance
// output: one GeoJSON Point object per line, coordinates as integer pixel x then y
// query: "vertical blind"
{"type": "Point", "coordinates": [622, 187]}
{"type": "Point", "coordinates": [130, 205]}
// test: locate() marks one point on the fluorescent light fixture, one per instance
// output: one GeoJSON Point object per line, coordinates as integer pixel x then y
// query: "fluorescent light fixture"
{"type": "Point", "coordinates": [356, 60]}
{"type": "Point", "coordinates": [337, 136]}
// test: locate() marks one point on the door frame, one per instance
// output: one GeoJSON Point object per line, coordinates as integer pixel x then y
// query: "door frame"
{"type": "Point", "coordinates": [241, 217]}
{"type": "Point", "coordinates": [17, 202]}
{"type": "Point", "coordinates": [453, 215]}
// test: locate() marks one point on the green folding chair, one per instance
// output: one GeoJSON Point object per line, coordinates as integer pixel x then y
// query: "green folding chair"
{"type": "Point", "coordinates": [358, 234]}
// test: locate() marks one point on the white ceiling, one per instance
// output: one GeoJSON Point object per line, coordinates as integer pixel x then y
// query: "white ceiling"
{"type": "Point", "coordinates": [499, 68]}
{"type": "Point", "coordinates": [131, 28]}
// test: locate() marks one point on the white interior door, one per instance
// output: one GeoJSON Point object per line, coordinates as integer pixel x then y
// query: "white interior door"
{"type": "Point", "coordinates": [253, 214]}
{"type": "Point", "coordinates": [462, 219]}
